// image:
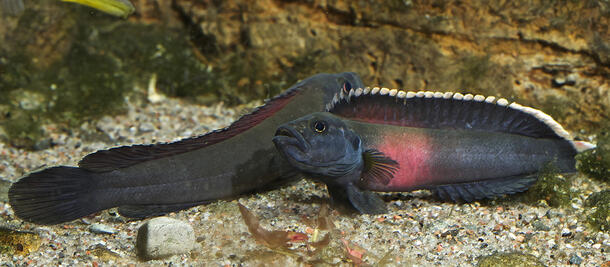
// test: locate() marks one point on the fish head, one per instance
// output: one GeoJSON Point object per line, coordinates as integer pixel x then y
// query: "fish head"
{"type": "Point", "coordinates": [321, 145]}
{"type": "Point", "coordinates": [328, 85]}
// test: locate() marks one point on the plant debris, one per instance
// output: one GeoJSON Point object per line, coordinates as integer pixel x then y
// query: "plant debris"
{"type": "Point", "coordinates": [271, 239]}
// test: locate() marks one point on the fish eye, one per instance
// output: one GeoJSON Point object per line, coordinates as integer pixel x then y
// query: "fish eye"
{"type": "Point", "coordinates": [319, 126]}
{"type": "Point", "coordinates": [347, 86]}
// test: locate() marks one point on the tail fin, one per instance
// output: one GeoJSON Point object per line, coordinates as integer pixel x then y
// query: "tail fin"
{"type": "Point", "coordinates": [582, 146]}
{"type": "Point", "coordinates": [54, 195]}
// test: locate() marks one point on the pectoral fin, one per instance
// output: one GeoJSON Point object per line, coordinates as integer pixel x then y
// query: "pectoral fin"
{"type": "Point", "coordinates": [378, 168]}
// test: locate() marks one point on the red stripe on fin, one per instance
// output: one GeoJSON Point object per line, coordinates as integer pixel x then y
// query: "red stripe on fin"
{"type": "Point", "coordinates": [448, 110]}
{"type": "Point", "coordinates": [125, 156]}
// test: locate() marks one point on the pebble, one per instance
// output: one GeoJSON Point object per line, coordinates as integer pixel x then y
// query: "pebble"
{"type": "Point", "coordinates": [99, 228]}
{"type": "Point", "coordinates": [540, 226]}
{"type": "Point", "coordinates": [574, 259]}
{"type": "Point", "coordinates": [146, 127]}
{"type": "Point", "coordinates": [14, 242]}
{"type": "Point", "coordinates": [104, 254]}
{"type": "Point", "coordinates": [4, 186]}
{"type": "Point", "coordinates": [509, 259]}
{"type": "Point", "coordinates": [163, 237]}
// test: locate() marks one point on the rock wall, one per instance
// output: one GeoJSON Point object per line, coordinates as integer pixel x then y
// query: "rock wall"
{"type": "Point", "coordinates": [65, 63]}
{"type": "Point", "coordinates": [554, 55]}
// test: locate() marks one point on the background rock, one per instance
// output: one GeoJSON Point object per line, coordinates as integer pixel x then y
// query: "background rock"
{"type": "Point", "coordinates": [163, 237]}
{"type": "Point", "coordinates": [551, 56]}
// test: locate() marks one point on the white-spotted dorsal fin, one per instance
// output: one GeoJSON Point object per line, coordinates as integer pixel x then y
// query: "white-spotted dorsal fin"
{"type": "Point", "coordinates": [428, 109]}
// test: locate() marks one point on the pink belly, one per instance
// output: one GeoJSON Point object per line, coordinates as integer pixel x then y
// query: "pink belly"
{"type": "Point", "coordinates": [412, 152]}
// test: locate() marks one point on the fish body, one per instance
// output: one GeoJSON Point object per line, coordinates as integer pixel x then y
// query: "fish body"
{"type": "Point", "coordinates": [147, 180]}
{"type": "Point", "coordinates": [463, 147]}
{"type": "Point", "coordinates": [431, 157]}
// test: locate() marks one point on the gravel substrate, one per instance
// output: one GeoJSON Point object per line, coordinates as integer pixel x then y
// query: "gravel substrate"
{"type": "Point", "coordinates": [417, 230]}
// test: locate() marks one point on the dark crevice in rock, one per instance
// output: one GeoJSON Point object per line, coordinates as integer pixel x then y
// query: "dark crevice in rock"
{"type": "Point", "coordinates": [204, 43]}
{"type": "Point", "coordinates": [559, 48]}
{"type": "Point", "coordinates": [555, 46]}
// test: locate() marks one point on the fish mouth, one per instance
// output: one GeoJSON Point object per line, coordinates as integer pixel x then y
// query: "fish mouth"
{"type": "Point", "coordinates": [288, 136]}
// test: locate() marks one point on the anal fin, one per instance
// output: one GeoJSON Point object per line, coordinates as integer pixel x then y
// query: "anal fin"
{"type": "Point", "coordinates": [143, 211]}
{"type": "Point", "coordinates": [469, 192]}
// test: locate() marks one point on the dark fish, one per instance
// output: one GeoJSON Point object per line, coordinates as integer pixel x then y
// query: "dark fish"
{"type": "Point", "coordinates": [148, 180]}
{"type": "Point", "coordinates": [463, 147]}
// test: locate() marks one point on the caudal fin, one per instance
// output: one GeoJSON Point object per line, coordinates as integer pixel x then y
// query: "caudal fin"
{"type": "Point", "coordinates": [54, 195]}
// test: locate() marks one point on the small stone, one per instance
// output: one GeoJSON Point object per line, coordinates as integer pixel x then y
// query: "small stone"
{"type": "Point", "coordinates": [99, 228]}
{"type": "Point", "coordinates": [574, 259]}
{"type": "Point", "coordinates": [540, 226]}
{"type": "Point", "coordinates": [27, 100]}
{"type": "Point", "coordinates": [453, 232]}
{"type": "Point", "coordinates": [104, 254]}
{"type": "Point", "coordinates": [520, 238]}
{"type": "Point", "coordinates": [18, 242]}
{"type": "Point", "coordinates": [163, 237]}
{"type": "Point", "coordinates": [146, 127]}
{"type": "Point", "coordinates": [558, 82]}
{"type": "Point", "coordinates": [509, 259]}
{"type": "Point", "coordinates": [4, 186]}
{"type": "Point", "coordinates": [42, 144]}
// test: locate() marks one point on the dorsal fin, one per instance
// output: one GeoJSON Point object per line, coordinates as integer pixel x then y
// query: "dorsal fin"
{"type": "Point", "coordinates": [444, 111]}
{"type": "Point", "coordinates": [121, 157]}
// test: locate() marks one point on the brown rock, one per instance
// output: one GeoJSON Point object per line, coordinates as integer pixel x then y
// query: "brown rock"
{"type": "Point", "coordinates": [553, 57]}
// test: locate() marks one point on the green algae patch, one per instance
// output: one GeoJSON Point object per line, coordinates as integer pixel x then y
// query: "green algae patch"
{"type": "Point", "coordinates": [94, 64]}
{"type": "Point", "coordinates": [144, 50]}
{"type": "Point", "coordinates": [596, 162]}
{"type": "Point", "coordinates": [599, 207]}
{"type": "Point", "coordinates": [515, 259]}
{"type": "Point", "coordinates": [18, 242]}
{"type": "Point", "coordinates": [552, 187]}
{"type": "Point", "coordinates": [22, 130]}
